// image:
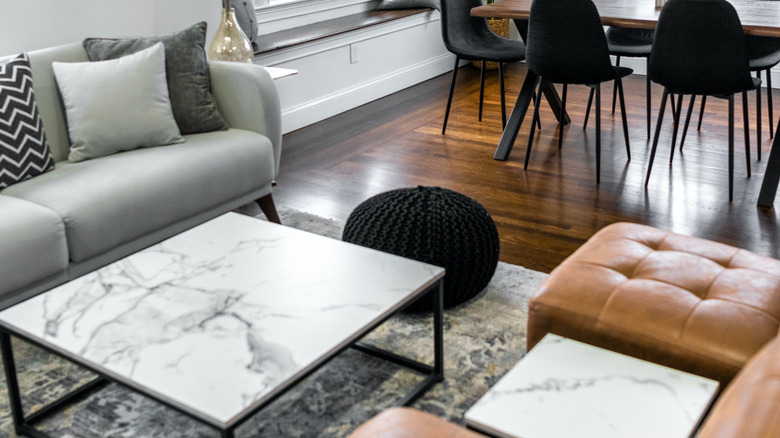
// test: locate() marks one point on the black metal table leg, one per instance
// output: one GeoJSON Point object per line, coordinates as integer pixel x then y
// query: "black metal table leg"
{"type": "Point", "coordinates": [433, 374]}
{"type": "Point", "coordinates": [437, 372]}
{"type": "Point", "coordinates": [23, 425]}
{"type": "Point", "coordinates": [12, 383]}
{"type": "Point", "coordinates": [515, 118]}
{"type": "Point", "coordinates": [438, 331]}
{"type": "Point", "coordinates": [550, 93]}
{"type": "Point", "coordinates": [772, 176]}
{"type": "Point", "coordinates": [521, 106]}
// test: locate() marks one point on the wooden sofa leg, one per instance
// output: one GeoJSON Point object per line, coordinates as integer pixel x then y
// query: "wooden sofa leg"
{"type": "Point", "coordinates": [266, 204]}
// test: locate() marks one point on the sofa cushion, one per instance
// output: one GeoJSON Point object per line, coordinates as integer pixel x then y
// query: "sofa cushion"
{"type": "Point", "coordinates": [750, 406]}
{"type": "Point", "coordinates": [188, 74]}
{"type": "Point", "coordinates": [33, 245]}
{"type": "Point", "coordinates": [24, 151]}
{"type": "Point", "coordinates": [112, 200]}
{"type": "Point", "coordinates": [117, 105]}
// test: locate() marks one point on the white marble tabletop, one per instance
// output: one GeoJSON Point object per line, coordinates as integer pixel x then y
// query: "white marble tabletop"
{"type": "Point", "coordinates": [217, 319]}
{"type": "Point", "coordinates": [564, 388]}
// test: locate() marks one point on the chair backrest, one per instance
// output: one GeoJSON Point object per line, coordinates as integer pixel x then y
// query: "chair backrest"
{"type": "Point", "coordinates": [699, 48]}
{"type": "Point", "coordinates": [460, 31]}
{"type": "Point", "coordinates": [566, 42]}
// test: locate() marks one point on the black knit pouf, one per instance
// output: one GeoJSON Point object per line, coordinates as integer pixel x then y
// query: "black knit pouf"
{"type": "Point", "coordinates": [431, 225]}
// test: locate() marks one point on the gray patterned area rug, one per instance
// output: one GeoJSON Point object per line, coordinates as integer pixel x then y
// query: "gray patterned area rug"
{"type": "Point", "coordinates": [483, 339]}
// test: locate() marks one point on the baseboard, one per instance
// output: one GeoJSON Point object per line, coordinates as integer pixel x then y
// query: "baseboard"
{"type": "Point", "coordinates": [319, 109]}
{"type": "Point", "coordinates": [327, 106]}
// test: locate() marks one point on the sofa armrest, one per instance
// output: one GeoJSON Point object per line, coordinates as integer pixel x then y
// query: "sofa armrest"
{"type": "Point", "coordinates": [247, 98]}
{"type": "Point", "coordinates": [750, 405]}
{"type": "Point", "coordinates": [410, 423]}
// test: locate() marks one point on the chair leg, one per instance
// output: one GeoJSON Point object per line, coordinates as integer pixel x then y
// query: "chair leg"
{"type": "Point", "coordinates": [268, 207]}
{"type": "Point", "coordinates": [687, 120]}
{"type": "Point", "coordinates": [657, 134]}
{"type": "Point", "coordinates": [674, 107]}
{"type": "Point", "coordinates": [649, 94]}
{"type": "Point", "coordinates": [747, 130]}
{"type": "Point", "coordinates": [481, 87]}
{"type": "Point", "coordinates": [561, 117]}
{"type": "Point", "coordinates": [533, 123]}
{"type": "Point", "coordinates": [598, 133]}
{"type": "Point", "coordinates": [701, 112]}
{"type": "Point", "coordinates": [449, 99]}
{"type": "Point", "coordinates": [769, 105]}
{"type": "Point", "coordinates": [533, 99]}
{"type": "Point", "coordinates": [614, 87]}
{"type": "Point", "coordinates": [619, 82]}
{"type": "Point", "coordinates": [587, 110]}
{"type": "Point", "coordinates": [676, 114]}
{"type": "Point", "coordinates": [758, 116]}
{"type": "Point", "coordinates": [731, 147]}
{"type": "Point", "coordinates": [503, 99]}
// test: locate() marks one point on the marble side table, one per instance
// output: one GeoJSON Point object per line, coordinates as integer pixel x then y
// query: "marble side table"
{"type": "Point", "coordinates": [565, 388]}
{"type": "Point", "coordinates": [222, 319]}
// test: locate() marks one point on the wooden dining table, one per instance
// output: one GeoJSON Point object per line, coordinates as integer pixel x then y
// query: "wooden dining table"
{"type": "Point", "coordinates": [761, 18]}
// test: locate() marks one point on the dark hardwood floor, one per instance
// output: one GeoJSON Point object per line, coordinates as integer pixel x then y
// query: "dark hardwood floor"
{"type": "Point", "coordinates": [545, 213]}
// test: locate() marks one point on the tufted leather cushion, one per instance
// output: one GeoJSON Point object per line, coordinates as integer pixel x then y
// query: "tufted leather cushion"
{"type": "Point", "coordinates": [410, 423]}
{"type": "Point", "coordinates": [684, 302]}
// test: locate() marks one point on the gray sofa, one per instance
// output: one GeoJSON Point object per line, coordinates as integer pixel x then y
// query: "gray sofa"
{"type": "Point", "coordinates": [83, 215]}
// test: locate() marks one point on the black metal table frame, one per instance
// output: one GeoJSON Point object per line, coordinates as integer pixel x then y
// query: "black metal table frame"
{"type": "Point", "coordinates": [766, 197]}
{"type": "Point", "coordinates": [24, 424]}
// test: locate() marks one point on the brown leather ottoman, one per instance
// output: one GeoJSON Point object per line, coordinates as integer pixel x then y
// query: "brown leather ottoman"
{"type": "Point", "coordinates": [410, 423]}
{"type": "Point", "coordinates": [684, 302]}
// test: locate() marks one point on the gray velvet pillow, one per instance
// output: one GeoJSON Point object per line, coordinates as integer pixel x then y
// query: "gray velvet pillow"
{"type": "Point", "coordinates": [247, 18]}
{"type": "Point", "coordinates": [187, 71]}
{"type": "Point", "coordinates": [408, 4]}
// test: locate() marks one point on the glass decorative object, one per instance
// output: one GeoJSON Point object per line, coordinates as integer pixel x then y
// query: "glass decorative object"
{"type": "Point", "coordinates": [230, 43]}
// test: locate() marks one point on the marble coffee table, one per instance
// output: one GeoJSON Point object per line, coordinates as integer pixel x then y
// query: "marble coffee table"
{"type": "Point", "coordinates": [220, 320]}
{"type": "Point", "coordinates": [564, 388]}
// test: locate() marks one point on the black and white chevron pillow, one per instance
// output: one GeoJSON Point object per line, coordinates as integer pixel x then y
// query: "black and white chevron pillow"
{"type": "Point", "coordinates": [24, 151]}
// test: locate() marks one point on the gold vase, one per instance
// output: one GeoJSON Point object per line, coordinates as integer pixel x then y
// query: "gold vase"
{"type": "Point", "coordinates": [500, 27]}
{"type": "Point", "coordinates": [230, 43]}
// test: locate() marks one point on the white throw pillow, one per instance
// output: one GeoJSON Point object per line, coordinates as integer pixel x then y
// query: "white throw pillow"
{"type": "Point", "coordinates": [117, 105]}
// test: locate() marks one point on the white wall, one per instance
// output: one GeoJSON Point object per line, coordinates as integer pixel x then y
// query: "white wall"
{"type": "Point", "coordinates": [27, 25]}
{"type": "Point", "coordinates": [390, 57]}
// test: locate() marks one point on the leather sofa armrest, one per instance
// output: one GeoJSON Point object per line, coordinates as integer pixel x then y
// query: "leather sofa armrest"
{"type": "Point", "coordinates": [247, 98]}
{"type": "Point", "coordinates": [750, 405]}
{"type": "Point", "coordinates": [410, 423]}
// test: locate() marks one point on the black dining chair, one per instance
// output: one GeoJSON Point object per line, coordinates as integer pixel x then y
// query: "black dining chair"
{"type": "Point", "coordinates": [691, 56]}
{"type": "Point", "coordinates": [763, 54]}
{"type": "Point", "coordinates": [630, 43]}
{"type": "Point", "coordinates": [566, 45]}
{"type": "Point", "coordinates": [470, 38]}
